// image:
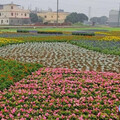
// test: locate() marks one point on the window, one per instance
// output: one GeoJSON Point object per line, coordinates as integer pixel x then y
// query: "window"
{"type": "Point", "coordinates": [11, 7]}
{"type": "Point", "coordinates": [1, 21]}
{"type": "Point", "coordinates": [45, 16]}
{"type": "Point", "coordinates": [0, 14]}
{"type": "Point", "coordinates": [51, 16]}
{"type": "Point", "coordinates": [11, 14]}
{"type": "Point", "coordinates": [25, 14]}
{"type": "Point", "coordinates": [7, 21]}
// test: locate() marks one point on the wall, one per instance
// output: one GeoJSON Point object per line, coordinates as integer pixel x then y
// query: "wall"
{"type": "Point", "coordinates": [4, 21]}
{"type": "Point", "coordinates": [51, 17]}
{"type": "Point", "coordinates": [18, 21]}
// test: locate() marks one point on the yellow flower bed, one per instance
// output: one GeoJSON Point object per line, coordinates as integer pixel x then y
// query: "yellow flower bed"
{"type": "Point", "coordinates": [111, 38]}
{"type": "Point", "coordinates": [8, 40]}
{"type": "Point", "coordinates": [102, 33]}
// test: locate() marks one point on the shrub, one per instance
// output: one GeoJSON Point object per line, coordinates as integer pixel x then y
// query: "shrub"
{"type": "Point", "coordinates": [83, 33]}
{"type": "Point", "coordinates": [49, 32]}
{"type": "Point", "coordinates": [22, 31]}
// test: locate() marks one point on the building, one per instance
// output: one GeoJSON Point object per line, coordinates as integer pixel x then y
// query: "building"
{"type": "Point", "coordinates": [12, 14]}
{"type": "Point", "coordinates": [51, 17]}
{"type": "Point", "coordinates": [113, 18]}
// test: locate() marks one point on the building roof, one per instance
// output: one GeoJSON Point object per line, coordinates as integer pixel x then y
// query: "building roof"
{"type": "Point", "coordinates": [53, 12]}
{"type": "Point", "coordinates": [11, 4]}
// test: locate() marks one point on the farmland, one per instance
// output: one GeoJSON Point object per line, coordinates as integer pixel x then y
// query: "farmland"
{"type": "Point", "coordinates": [60, 76]}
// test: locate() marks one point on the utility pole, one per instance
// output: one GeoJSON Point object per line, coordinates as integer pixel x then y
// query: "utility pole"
{"type": "Point", "coordinates": [119, 15]}
{"type": "Point", "coordinates": [57, 10]}
{"type": "Point", "coordinates": [89, 14]}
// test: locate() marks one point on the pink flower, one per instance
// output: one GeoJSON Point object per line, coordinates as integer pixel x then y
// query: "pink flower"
{"type": "Point", "coordinates": [46, 114]}
{"type": "Point", "coordinates": [18, 114]}
{"type": "Point", "coordinates": [81, 118]}
{"type": "Point", "coordinates": [13, 111]}
{"type": "Point", "coordinates": [69, 105]}
{"type": "Point", "coordinates": [98, 115]}
{"type": "Point", "coordinates": [11, 116]}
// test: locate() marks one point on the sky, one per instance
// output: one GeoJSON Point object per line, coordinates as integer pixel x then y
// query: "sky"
{"type": "Point", "coordinates": [98, 7]}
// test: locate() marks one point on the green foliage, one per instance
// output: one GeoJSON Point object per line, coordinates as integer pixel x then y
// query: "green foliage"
{"type": "Point", "coordinates": [83, 33]}
{"type": "Point", "coordinates": [76, 17]}
{"type": "Point", "coordinates": [100, 20]}
{"type": "Point", "coordinates": [22, 31]}
{"type": "Point", "coordinates": [49, 32]}
{"type": "Point", "coordinates": [13, 71]}
{"type": "Point", "coordinates": [39, 32]}
{"type": "Point", "coordinates": [33, 17]}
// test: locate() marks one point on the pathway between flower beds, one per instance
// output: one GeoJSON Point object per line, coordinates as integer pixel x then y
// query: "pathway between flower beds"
{"type": "Point", "coordinates": [62, 94]}
{"type": "Point", "coordinates": [61, 55]}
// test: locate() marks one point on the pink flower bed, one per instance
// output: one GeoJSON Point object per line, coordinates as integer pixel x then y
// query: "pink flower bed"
{"type": "Point", "coordinates": [62, 94]}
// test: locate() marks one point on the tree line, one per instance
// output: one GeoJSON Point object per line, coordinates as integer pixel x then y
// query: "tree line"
{"type": "Point", "coordinates": [73, 18]}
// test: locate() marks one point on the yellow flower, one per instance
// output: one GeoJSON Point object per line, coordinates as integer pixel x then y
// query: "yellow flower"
{"type": "Point", "coordinates": [111, 38]}
{"type": "Point", "coordinates": [9, 40]}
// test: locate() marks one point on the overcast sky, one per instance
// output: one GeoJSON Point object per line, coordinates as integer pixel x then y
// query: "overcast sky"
{"type": "Point", "coordinates": [98, 7]}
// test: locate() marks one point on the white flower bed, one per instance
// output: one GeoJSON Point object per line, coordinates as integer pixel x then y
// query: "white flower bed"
{"type": "Point", "coordinates": [61, 55]}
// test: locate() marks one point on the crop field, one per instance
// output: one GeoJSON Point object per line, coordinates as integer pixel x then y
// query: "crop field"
{"type": "Point", "coordinates": [55, 76]}
{"type": "Point", "coordinates": [61, 55]}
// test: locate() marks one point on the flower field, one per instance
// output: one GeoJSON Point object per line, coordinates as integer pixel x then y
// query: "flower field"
{"type": "Point", "coordinates": [55, 77]}
{"type": "Point", "coordinates": [103, 46]}
{"type": "Point", "coordinates": [63, 55]}
{"type": "Point", "coordinates": [62, 94]}
{"type": "Point", "coordinates": [109, 43]}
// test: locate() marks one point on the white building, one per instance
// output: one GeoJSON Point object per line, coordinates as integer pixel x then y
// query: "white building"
{"type": "Point", "coordinates": [12, 14]}
{"type": "Point", "coordinates": [113, 18]}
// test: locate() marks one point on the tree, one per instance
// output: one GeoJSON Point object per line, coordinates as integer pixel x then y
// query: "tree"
{"type": "Point", "coordinates": [94, 19]}
{"type": "Point", "coordinates": [103, 20]}
{"type": "Point", "coordinates": [33, 17]}
{"type": "Point", "coordinates": [40, 19]}
{"type": "Point", "coordinates": [76, 17]}
{"type": "Point", "coordinates": [100, 20]}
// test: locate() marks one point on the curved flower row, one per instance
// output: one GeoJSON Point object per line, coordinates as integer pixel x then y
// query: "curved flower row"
{"type": "Point", "coordinates": [62, 55]}
{"type": "Point", "coordinates": [62, 94]}
{"type": "Point", "coordinates": [109, 33]}
{"type": "Point", "coordinates": [9, 40]}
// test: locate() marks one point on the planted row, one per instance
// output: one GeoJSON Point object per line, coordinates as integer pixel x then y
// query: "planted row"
{"type": "Point", "coordinates": [61, 54]}
{"type": "Point", "coordinates": [107, 47]}
{"type": "Point", "coordinates": [62, 94]}
{"type": "Point", "coordinates": [83, 33]}
{"type": "Point", "coordinates": [39, 32]}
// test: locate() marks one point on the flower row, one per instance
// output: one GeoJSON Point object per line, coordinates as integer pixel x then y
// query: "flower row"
{"type": "Point", "coordinates": [62, 94]}
{"type": "Point", "coordinates": [61, 54]}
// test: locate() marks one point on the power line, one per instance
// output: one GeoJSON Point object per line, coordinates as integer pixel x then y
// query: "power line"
{"type": "Point", "coordinates": [119, 15]}
{"type": "Point", "coordinates": [89, 14]}
{"type": "Point", "coordinates": [57, 10]}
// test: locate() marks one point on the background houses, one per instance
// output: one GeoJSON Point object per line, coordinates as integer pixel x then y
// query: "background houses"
{"type": "Point", "coordinates": [13, 14]}
{"type": "Point", "coordinates": [51, 17]}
